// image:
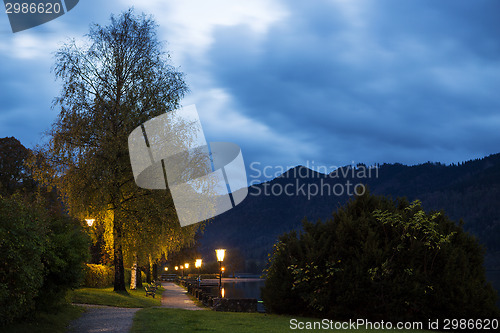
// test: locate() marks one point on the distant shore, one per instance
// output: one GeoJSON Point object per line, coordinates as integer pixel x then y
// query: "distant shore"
{"type": "Point", "coordinates": [244, 279]}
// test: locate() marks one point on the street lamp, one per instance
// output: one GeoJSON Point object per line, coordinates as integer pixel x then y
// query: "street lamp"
{"type": "Point", "coordinates": [90, 222]}
{"type": "Point", "coordinates": [220, 258]}
{"type": "Point", "coordinates": [166, 268]}
{"type": "Point", "coordinates": [197, 264]}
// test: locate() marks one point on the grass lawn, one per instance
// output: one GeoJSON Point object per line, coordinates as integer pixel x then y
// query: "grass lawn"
{"type": "Point", "coordinates": [47, 322]}
{"type": "Point", "coordinates": [58, 321]}
{"type": "Point", "coordinates": [106, 296]}
{"type": "Point", "coordinates": [177, 320]}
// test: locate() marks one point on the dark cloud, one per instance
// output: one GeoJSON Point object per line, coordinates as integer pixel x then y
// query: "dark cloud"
{"type": "Point", "coordinates": [27, 85]}
{"type": "Point", "coordinates": [25, 101]}
{"type": "Point", "coordinates": [332, 82]}
{"type": "Point", "coordinates": [406, 81]}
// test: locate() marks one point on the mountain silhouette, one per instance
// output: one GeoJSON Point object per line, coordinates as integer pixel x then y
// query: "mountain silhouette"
{"type": "Point", "coordinates": [468, 192]}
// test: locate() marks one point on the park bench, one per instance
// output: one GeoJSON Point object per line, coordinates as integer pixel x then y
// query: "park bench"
{"type": "Point", "coordinates": [150, 290]}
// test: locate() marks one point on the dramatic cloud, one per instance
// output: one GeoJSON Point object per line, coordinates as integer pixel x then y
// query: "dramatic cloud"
{"type": "Point", "coordinates": [374, 81]}
{"type": "Point", "coordinates": [293, 81]}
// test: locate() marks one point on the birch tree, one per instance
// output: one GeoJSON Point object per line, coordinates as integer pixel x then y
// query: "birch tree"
{"type": "Point", "coordinates": [115, 81]}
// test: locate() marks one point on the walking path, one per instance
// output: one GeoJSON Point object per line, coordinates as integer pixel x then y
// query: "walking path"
{"type": "Point", "coordinates": [176, 297]}
{"type": "Point", "coordinates": [98, 318]}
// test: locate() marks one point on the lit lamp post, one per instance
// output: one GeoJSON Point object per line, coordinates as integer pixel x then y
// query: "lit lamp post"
{"type": "Point", "coordinates": [220, 258]}
{"type": "Point", "coordinates": [197, 264]}
{"type": "Point", "coordinates": [90, 222]}
{"type": "Point", "coordinates": [186, 266]}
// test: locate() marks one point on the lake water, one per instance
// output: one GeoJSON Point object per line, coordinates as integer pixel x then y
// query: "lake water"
{"type": "Point", "coordinates": [244, 288]}
{"type": "Point", "coordinates": [250, 287]}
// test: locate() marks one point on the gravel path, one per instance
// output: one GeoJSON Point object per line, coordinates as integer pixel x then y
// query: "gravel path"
{"type": "Point", "coordinates": [99, 318]}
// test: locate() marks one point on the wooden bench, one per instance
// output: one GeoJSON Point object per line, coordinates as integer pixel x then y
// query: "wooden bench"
{"type": "Point", "coordinates": [150, 290]}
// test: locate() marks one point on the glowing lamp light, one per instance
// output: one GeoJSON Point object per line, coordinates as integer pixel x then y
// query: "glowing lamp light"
{"type": "Point", "coordinates": [176, 268]}
{"type": "Point", "coordinates": [223, 269]}
{"type": "Point", "coordinates": [220, 258]}
{"type": "Point", "coordinates": [220, 254]}
{"type": "Point", "coordinates": [90, 222]}
{"type": "Point", "coordinates": [166, 268]}
{"type": "Point", "coordinates": [186, 265]}
{"type": "Point", "coordinates": [222, 292]}
{"type": "Point", "coordinates": [197, 263]}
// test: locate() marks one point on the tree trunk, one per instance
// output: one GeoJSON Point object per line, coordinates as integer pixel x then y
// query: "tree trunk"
{"type": "Point", "coordinates": [133, 277]}
{"type": "Point", "coordinates": [148, 273]}
{"type": "Point", "coordinates": [119, 283]}
{"type": "Point", "coordinates": [139, 278]}
{"type": "Point", "coordinates": [150, 269]}
{"type": "Point", "coordinates": [155, 271]}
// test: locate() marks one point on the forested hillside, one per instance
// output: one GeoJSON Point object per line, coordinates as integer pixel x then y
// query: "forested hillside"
{"type": "Point", "coordinates": [469, 191]}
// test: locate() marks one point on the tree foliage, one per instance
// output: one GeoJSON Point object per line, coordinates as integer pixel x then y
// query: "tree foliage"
{"type": "Point", "coordinates": [14, 175]}
{"type": "Point", "coordinates": [112, 84]}
{"type": "Point", "coordinates": [380, 259]}
{"type": "Point", "coordinates": [41, 248]}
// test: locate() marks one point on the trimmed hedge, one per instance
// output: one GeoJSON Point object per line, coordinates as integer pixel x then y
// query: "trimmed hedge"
{"type": "Point", "coordinates": [98, 276]}
{"type": "Point", "coordinates": [102, 276]}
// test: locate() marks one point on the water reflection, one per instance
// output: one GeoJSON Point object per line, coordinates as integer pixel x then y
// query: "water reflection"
{"type": "Point", "coordinates": [244, 288]}
{"type": "Point", "coordinates": [248, 288]}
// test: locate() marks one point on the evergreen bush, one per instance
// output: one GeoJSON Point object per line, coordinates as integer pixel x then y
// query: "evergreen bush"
{"type": "Point", "coordinates": [380, 259]}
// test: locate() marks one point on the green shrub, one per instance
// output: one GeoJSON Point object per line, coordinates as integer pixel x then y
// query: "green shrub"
{"type": "Point", "coordinates": [21, 249]}
{"type": "Point", "coordinates": [98, 276]}
{"type": "Point", "coordinates": [65, 251]}
{"type": "Point", "coordinates": [41, 253]}
{"type": "Point", "coordinates": [380, 259]}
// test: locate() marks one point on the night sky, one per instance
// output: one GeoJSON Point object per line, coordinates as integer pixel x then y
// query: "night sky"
{"type": "Point", "coordinates": [300, 82]}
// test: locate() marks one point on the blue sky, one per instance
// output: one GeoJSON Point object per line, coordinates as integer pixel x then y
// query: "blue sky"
{"type": "Point", "coordinates": [300, 82]}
